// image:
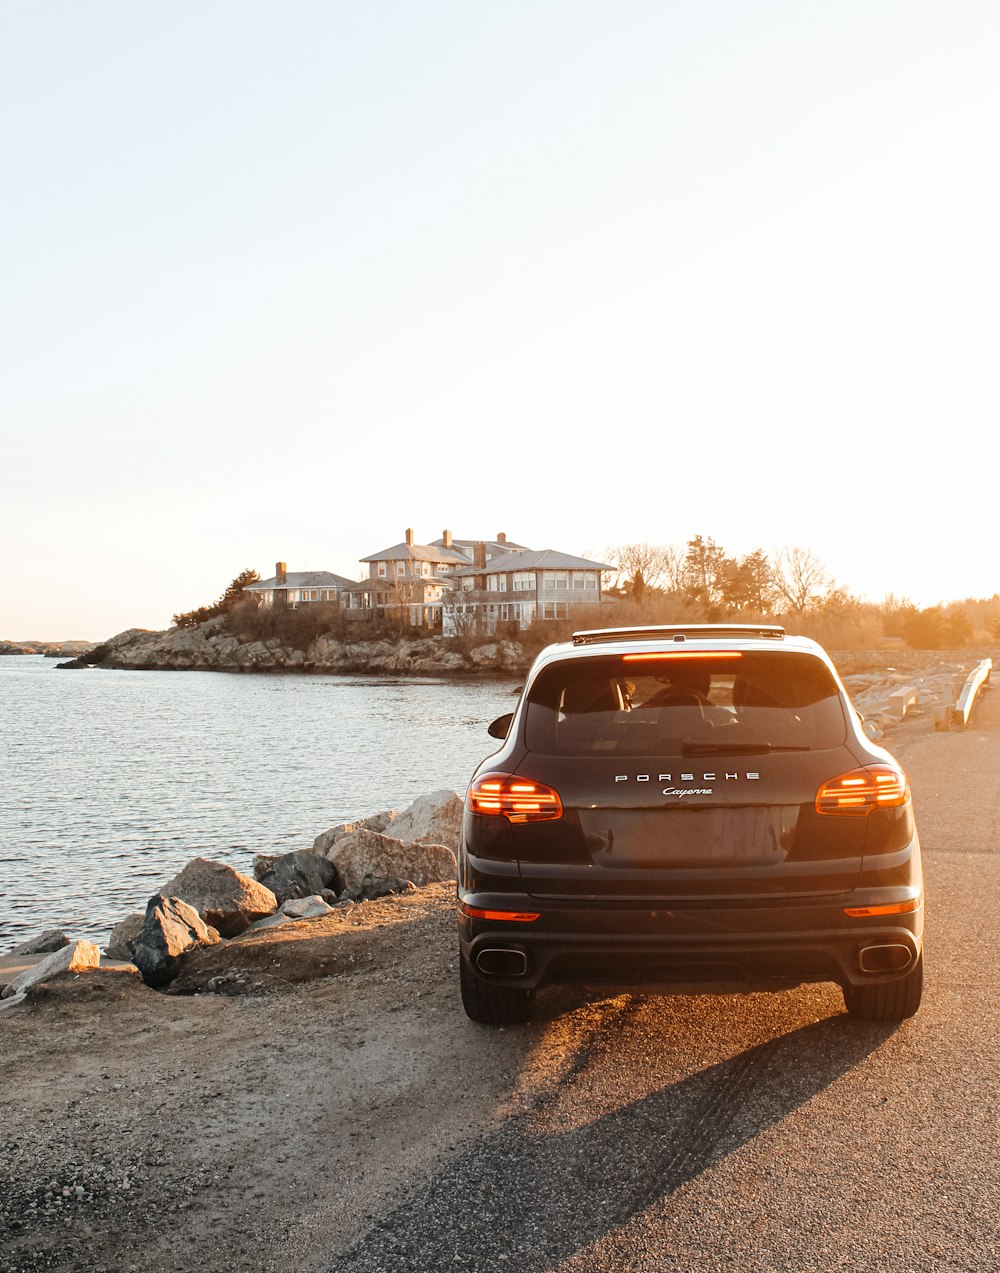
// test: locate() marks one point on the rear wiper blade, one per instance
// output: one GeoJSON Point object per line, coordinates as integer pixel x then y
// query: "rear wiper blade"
{"type": "Point", "coordinates": [696, 747]}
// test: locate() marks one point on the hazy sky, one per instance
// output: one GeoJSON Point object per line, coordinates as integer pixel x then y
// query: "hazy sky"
{"type": "Point", "coordinates": [281, 280]}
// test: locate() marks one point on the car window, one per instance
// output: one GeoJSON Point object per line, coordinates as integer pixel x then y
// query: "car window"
{"type": "Point", "coordinates": [657, 704]}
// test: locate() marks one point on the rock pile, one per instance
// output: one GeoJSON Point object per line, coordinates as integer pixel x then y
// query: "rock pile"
{"type": "Point", "coordinates": [881, 696]}
{"type": "Point", "coordinates": [209, 902]}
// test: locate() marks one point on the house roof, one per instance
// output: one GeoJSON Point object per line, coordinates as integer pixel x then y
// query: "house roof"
{"type": "Point", "coordinates": [493, 546]}
{"type": "Point", "coordinates": [419, 552]}
{"type": "Point", "coordinates": [300, 579]}
{"type": "Point", "coordinates": [405, 586]}
{"type": "Point", "coordinates": [544, 559]}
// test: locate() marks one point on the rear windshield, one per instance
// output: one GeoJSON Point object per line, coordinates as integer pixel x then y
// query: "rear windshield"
{"type": "Point", "coordinates": [676, 703]}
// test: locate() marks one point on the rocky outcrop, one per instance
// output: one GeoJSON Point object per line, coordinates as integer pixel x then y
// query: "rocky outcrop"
{"type": "Point", "coordinates": [170, 929]}
{"type": "Point", "coordinates": [225, 898]}
{"type": "Point", "coordinates": [210, 646]}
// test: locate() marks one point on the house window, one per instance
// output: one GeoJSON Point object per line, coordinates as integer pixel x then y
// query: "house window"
{"type": "Point", "coordinates": [382, 570]}
{"type": "Point", "coordinates": [554, 610]}
{"type": "Point", "coordinates": [552, 579]}
{"type": "Point", "coordinates": [524, 581]}
{"type": "Point", "coordinates": [496, 583]}
{"type": "Point", "coordinates": [400, 567]}
{"type": "Point", "coordinates": [584, 579]}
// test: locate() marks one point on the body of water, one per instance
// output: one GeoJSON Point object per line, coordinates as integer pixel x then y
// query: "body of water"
{"type": "Point", "coordinates": [110, 781]}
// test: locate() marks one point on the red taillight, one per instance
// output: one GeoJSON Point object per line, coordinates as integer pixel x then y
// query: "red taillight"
{"type": "Point", "coordinates": [862, 790]}
{"type": "Point", "coordinates": [519, 917]}
{"type": "Point", "coordinates": [513, 797]}
{"type": "Point", "coordinates": [893, 908]}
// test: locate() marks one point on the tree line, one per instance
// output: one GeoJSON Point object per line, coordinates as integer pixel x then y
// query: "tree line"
{"type": "Point", "coordinates": [700, 581]}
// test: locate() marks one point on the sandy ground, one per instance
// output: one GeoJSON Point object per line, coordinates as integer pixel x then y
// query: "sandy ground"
{"type": "Point", "coordinates": [138, 1128]}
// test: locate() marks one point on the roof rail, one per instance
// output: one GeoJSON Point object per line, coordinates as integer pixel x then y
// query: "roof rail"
{"type": "Point", "coordinates": [679, 632]}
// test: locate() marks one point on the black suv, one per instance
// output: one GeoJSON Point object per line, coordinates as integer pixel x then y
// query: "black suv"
{"type": "Point", "coordinates": [688, 809]}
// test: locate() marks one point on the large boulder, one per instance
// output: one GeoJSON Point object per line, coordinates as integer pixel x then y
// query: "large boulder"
{"type": "Point", "coordinates": [42, 944]}
{"type": "Point", "coordinates": [434, 818]}
{"type": "Point", "coordinates": [81, 956]}
{"type": "Point", "coordinates": [224, 897]}
{"type": "Point", "coordinates": [364, 858]}
{"type": "Point", "coordinates": [325, 841]}
{"type": "Point", "coordinates": [293, 875]}
{"type": "Point", "coordinates": [124, 935]}
{"type": "Point", "coordinates": [170, 929]}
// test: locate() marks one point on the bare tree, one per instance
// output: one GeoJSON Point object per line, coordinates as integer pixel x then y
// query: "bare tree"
{"type": "Point", "coordinates": [640, 566]}
{"type": "Point", "coordinates": [800, 580]}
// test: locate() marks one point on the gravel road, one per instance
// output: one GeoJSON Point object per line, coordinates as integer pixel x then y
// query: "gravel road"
{"type": "Point", "coordinates": [357, 1121]}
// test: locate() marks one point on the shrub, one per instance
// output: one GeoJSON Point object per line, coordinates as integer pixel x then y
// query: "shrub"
{"type": "Point", "coordinates": [233, 596]}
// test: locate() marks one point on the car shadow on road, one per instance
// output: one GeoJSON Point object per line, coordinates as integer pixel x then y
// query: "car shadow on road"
{"type": "Point", "coordinates": [533, 1199]}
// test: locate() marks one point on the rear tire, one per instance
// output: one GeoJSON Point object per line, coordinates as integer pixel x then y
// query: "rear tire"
{"type": "Point", "coordinates": [890, 1001]}
{"type": "Point", "coordinates": [492, 1005]}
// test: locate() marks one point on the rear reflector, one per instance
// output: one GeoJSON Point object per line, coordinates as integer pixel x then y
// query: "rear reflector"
{"type": "Point", "coordinates": [513, 797]}
{"type": "Point", "coordinates": [862, 790]}
{"type": "Point", "coordinates": [517, 917]}
{"type": "Point", "coordinates": [895, 908]}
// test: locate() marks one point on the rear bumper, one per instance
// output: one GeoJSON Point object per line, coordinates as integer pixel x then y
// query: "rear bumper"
{"type": "Point", "coordinates": [695, 948]}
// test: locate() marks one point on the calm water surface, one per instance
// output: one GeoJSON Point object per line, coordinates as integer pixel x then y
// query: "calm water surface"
{"type": "Point", "coordinates": [110, 781]}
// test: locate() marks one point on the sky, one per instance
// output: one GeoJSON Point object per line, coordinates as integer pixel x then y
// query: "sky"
{"type": "Point", "coordinates": [282, 280]}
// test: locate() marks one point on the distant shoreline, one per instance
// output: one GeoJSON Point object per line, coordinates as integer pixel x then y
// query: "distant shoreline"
{"type": "Point", "coordinates": [50, 649]}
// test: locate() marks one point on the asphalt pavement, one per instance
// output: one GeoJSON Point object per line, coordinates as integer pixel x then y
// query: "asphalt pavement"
{"type": "Point", "coordinates": [752, 1133]}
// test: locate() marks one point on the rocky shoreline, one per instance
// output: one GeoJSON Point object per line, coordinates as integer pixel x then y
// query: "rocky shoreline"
{"type": "Point", "coordinates": [209, 903]}
{"type": "Point", "coordinates": [212, 647]}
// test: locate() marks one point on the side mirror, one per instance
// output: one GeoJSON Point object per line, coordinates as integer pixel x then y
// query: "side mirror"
{"type": "Point", "coordinates": [501, 726]}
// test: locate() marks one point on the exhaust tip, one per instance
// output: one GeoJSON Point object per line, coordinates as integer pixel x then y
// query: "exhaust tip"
{"type": "Point", "coordinates": [893, 957]}
{"type": "Point", "coordinates": [496, 962]}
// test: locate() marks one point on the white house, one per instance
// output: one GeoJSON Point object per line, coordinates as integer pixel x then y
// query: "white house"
{"type": "Point", "coordinates": [452, 586]}
{"type": "Point", "coordinates": [520, 588]}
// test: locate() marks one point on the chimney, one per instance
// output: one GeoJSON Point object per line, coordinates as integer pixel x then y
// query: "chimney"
{"type": "Point", "coordinates": [280, 572]}
{"type": "Point", "coordinates": [479, 555]}
{"type": "Point", "coordinates": [409, 537]}
{"type": "Point", "coordinates": [446, 536]}
{"type": "Point", "coordinates": [501, 537]}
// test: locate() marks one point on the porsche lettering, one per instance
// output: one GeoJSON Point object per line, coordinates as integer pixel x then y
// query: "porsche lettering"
{"type": "Point", "coordinates": [747, 776]}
